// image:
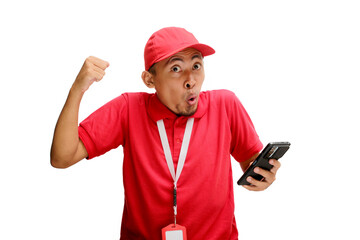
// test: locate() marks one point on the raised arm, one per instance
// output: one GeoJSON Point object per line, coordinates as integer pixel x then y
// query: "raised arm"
{"type": "Point", "coordinates": [67, 149]}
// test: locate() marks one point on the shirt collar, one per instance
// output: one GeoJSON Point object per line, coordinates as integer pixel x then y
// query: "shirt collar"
{"type": "Point", "coordinates": [157, 110]}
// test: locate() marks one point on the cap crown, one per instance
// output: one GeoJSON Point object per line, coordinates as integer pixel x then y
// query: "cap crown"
{"type": "Point", "coordinates": [168, 41]}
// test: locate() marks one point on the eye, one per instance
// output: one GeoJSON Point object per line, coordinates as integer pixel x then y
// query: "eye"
{"type": "Point", "coordinates": [175, 69]}
{"type": "Point", "coordinates": [197, 66]}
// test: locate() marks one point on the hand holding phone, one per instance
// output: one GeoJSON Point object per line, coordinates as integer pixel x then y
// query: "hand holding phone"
{"type": "Point", "coordinates": [274, 150]}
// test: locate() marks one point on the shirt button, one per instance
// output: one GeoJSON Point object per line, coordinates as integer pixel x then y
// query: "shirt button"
{"type": "Point", "coordinates": [178, 140]}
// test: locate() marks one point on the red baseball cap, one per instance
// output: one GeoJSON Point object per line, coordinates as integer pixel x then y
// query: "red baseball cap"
{"type": "Point", "coordinates": [168, 41]}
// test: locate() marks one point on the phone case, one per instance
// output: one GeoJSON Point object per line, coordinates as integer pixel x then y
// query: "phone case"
{"type": "Point", "coordinates": [274, 150]}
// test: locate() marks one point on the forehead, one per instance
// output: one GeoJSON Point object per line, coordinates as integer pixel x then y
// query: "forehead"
{"type": "Point", "coordinates": [184, 55]}
{"type": "Point", "coordinates": [187, 52]}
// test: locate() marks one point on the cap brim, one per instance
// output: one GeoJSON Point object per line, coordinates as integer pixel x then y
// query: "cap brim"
{"type": "Point", "coordinates": [203, 48]}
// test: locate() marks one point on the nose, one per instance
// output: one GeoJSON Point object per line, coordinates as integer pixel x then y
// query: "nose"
{"type": "Point", "coordinates": [190, 82]}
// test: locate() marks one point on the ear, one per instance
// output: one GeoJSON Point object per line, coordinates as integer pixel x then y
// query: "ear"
{"type": "Point", "coordinates": [148, 79]}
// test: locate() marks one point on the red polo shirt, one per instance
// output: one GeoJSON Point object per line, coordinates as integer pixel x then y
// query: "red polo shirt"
{"type": "Point", "coordinates": [205, 189]}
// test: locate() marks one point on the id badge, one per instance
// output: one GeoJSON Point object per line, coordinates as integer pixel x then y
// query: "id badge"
{"type": "Point", "coordinates": [172, 232]}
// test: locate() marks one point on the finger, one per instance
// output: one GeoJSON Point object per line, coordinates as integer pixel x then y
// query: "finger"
{"type": "Point", "coordinates": [251, 187]}
{"type": "Point", "coordinates": [98, 62]}
{"type": "Point", "coordinates": [276, 165]}
{"type": "Point", "coordinates": [96, 75]}
{"type": "Point", "coordinates": [257, 185]}
{"type": "Point", "coordinates": [98, 70]}
{"type": "Point", "coordinates": [268, 175]}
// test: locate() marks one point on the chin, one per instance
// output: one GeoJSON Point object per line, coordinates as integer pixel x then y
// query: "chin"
{"type": "Point", "coordinates": [188, 112]}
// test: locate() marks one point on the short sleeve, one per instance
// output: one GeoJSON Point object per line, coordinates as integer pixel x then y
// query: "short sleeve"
{"type": "Point", "coordinates": [105, 129]}
{"type": "Point", "coordinates": [245, 142]}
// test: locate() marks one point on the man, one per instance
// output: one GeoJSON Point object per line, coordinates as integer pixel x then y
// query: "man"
{"type": "Point", "coordinates": [179, 127]}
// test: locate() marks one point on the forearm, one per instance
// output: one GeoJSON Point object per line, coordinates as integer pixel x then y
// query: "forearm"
{"type": "Point", "coordinates": [66, 139]}
{"type": "Point", "coordinates": [244, 165]}
{"type": "Point", "coordinates": [67, 149]}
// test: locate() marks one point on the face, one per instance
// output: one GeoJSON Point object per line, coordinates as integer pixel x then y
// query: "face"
{"type": "Point", "coordinates": [178, 81]}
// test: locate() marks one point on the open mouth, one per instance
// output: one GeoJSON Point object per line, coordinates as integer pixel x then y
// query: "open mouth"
{"type": "Point", "coordinates": [191, 100]}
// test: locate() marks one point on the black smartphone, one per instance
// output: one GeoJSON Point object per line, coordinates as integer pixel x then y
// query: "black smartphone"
{"type": "Point", "coordinates": [274, 150]}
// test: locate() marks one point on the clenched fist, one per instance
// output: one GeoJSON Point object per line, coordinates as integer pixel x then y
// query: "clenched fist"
{"type": "Point", "coordinates": [92, 70]}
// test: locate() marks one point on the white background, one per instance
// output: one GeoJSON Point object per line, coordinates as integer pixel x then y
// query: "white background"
{"type": "Point", "coordinates": [293, 64]}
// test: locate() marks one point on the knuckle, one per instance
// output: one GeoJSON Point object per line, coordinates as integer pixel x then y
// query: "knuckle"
{"type": "Point", "coordinates": [88, 71]}
{"type": "Point", "coordinates": [86, 64]}
{"type": "Point", "coordinates": [89, 60]}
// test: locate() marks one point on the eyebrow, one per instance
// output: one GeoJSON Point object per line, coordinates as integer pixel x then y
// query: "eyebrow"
{"type": "Point", "coordinates": [175, 58]}
{"type": "Point", "coordinates": [196, 56]}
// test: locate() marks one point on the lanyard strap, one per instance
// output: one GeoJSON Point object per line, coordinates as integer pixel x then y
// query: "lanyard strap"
{"type": "Point", "coordinates": [183, 151]}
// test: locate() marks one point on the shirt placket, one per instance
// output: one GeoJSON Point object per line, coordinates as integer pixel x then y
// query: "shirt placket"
{"type": "Point", "coordinates": [179, 129]}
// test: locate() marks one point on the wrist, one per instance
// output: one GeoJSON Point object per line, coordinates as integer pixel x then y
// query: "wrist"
{"type": "Point", "coordinates": [76, 93]}
{"type": "Point", "coordinates": [77, 90]}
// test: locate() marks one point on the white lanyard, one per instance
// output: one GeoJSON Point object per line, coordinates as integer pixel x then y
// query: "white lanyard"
{"type": "Point", "coordinates": [183, 152]}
